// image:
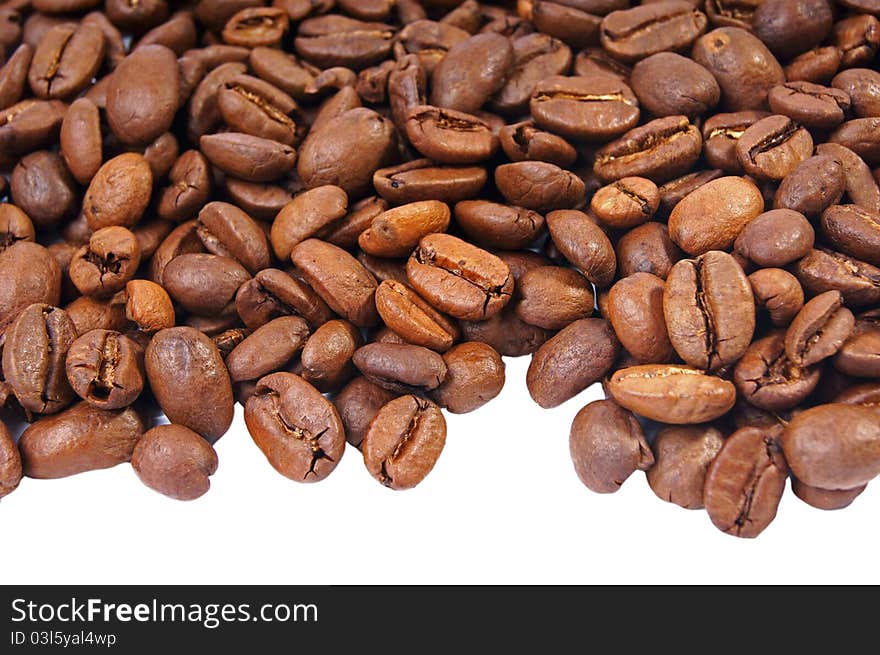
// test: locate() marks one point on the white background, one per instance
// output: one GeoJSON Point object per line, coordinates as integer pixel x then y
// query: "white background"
{"type": "Point", "coordinates": [503, 505]}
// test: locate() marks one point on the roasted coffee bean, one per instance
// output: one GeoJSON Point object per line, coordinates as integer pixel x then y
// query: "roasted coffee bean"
{"type": "Point", "coordinates": [860, 136]}
{"type": "Point", "coordinates": [449, 136]}
{"type": "Point", "coordinates": [648, 249]}
{"type": "Point", "coordinates": [226, 230]}
{"type": "Point", "coordinates": [183, 359]}
{"type": "Point", "coordinates": [422, 179]}
{"type": "Point", "coordinates": [682, 455]}
{"type": "Point", "coordinates": [90, 314]}
{"type": "Point", "coordinates": [66, 59]}
{"type": "Point", "coordinates": [334, 40]}
{"type": "Point", "coordinates": [636, 33]}
{"type": "Point", "coordinates": [358, 403]}
{"type": "Point", "coordinates": [852, 230]}
{"type": "Point", "coordinates": [15, 226]}
{"type": "Point", "coordinates": [827, 499]}
{"type": "Point", "coordinates": [28, 274]}
{"type": "Point", "coordinates": [861, 188]}
{"type": "Point", "coordinates": [119, 192]}
{"type": "Point", "coordinates": [819, 329]}
{"type": "Point", "coordinates": [273, 293]}
{"type": "Point", "coordinates": [709, 309]}
{"type": "Point", "coordinates": [41, 185]}
{"type": "Point", "coordinates": [107, 263]}
{"type": "Point", "coordinates": [826, 270]}
{"type": "Point", "coordinates": [860, 354]}
{"type": "Point", "coordinates": [474, 376]}
{"type": "Point", "coordinates": [536, 57]}
{"type": "Point", "coordinates": [731, 201]}
{"type": "Point", "coordinates": [189, 188]}
{"type": "Point", "coordinates": [148, 306]}
{"type": "Point", "coordinates": [598, 107]}
{"type": "Point", "coordinates": [635, 309]}
{"type": "Point", "coordinates": [857, 38]}
{"type": "Point", "coordinates": [471, 72]}
{"type": "Point", "coordinates": [395, 232]}
{"type": "Point", "coordinates": [627, 203]}
{"type": "Point", "coordinates": [404, 441]}
{"type": "Point", "coordinates": [305, 216]}
{"type": "Point", "coordinates": [672, 394]}
{"type": "Point", "coordinates": [36, 344]}
{"type": "Point", "coordinates": [596, 60]}
{"type": "Point", "coordinates": [161, 155]}
{"type": "Point", "coordinates": [660, 150]}
{"type": "Point", "coordinates": [204, 284]}
{"type": "Point", "coordinates": [429, 40]}
{"type": "Point", "coordinates": [778, 292]}
{"type": "Point", "coordinates": [668, 84]}
{"type": "Point", "coordinates": [106, 369]}
{"type": "Point", "coordinates": [817, 65]}
{"type": "Point", "coordinates": [506, 333]}
{"type": "Point", "coordinates": [250, 158]}
{"type": "Point", "coordinates": [13, 75]}
{"type": "Point", "coordinates": [773, 147]}
{"type": "Point", "coordinates": [282, 69]}
{"type": "Point", "coordinates": [253, 106]}
{"type": "Point", "coordinates": [607, 446]}
{"type": "Point", "coordinates": [768, 378]}
{"type": "Point", "coordinates": [29, 124]}
{"type": "Point", "coordinates": [834, 446]}
{"type": "Point", "coordinates": [82, 438]}
{"type": "Point", "coordinates": [10, 462]}
{"type": "Point", "coordinates": [790, 27]}
{"type": "Point", "coordinates": [775, 238]}
{"type": "Point", "coordinates": [813, 186]}
{"type": "Point", "coordinates": [745, 482]}
{"type": "Point", "coordinates": [551, 297]}
{"type": "Point", "coordinates": [564, 21]}
{"type": "Point", "coordinates": [339, 279]}
{"type": "Point", "coordinates": [262, 201]}
{"type": "Point", "coordinates": [181, 240]}
{"type": "Point", "coordinates": [298, 430]}
{"type": "Point", "coordinates": [539, 186]}
{"type": "Point", "coordinates": [81, 140]}
{"type": "Point", "coordinates": [267, 349]}
{"type": "Point", "coordinates": [811, 105]}
{"type": "Point", "coordinates": [327, 356]}
{"type": "Point", "coordinates": [523, 141]}
{"type": "Point", "coordinates": [256, 26]}
{"type": "Point", "coordinates": [577, 356]}
{"type": "Point", "coordinates": [405, 312]}
{"type": "Point", "coordinates": [401, 368]}
{"type": "Point", "coordinates": [494, 225]}
{"type": "Point", "coordinates": [583, 243]}
{"type": "Point", "coordinates": [721, 133]}
{"type": "Point", "coordinates": [862, 85]}
{"type": "Point", "coordinates": [175, 461]}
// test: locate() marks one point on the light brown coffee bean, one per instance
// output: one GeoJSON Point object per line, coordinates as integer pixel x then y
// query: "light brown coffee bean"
{"type": "Point", "coordinates": [327, 355]}
{"type": "Point", "coordinates": [410, 316]}
{"type": "Point", "coordinates": [682, 455]}
{"type": "Point", "coordinates": [267, 349]}
{"type": "Point", "coordinates": [395, 232]}
{"type": "Point", "coordinates": [635, 309]}
{"type": "Point", "coordinates": [175, 461]}
{"type": "Point", "coordinates": [551, 297]}
{"type": "Point", "coordinates": [358, 403]}
{"type": "Point", "coordinates": [106, 369]}
{"type": "Point", "coordinates": [584, 244]}
{"type": "Point", "coordinates": [819, 329]}
{"type": "Point", "coordinates": [119, 192]}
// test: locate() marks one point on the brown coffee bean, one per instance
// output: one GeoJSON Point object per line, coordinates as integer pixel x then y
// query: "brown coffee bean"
{"type": "Point", "coordinates": [648, 249]}
{"type": "Point", "coordinates": [827, 499]}
{"type": "Point", "coordinates": [857, 38]}
{"type": "Point", "coordinates": [668, 84]}
{"type": "Point", "coordinates": [826, 270]}
{"type": "Point", "coordinates": [773, 147]}
{"type": "Point", "coordinates": [273, 293]}
{"type": "Point", "coordinates": [819, 329]}
{"type": "Point", "coordinates": [189, 188]}
{"type": "Point", "coordinates": [721, 133]}
{"type": "Point", "coordinates": [595, 60]}
{"type": "Point", "coordinates": [551, 297]}
{"type": "Point", "coordinates": [29, 124]}
{"type": "Point", "coordinates": [267, 349]}
{"type": "Point", "coordinates": [81, 140]}
{"type": "Point", "coordinates": [792, 27]}
{"type": "Point", "coordinates": [744, 67]}
{"type": "Point", "coordinates": [298, 430]}
{"type": "Point", "coordinates": [226, 230]}
{"type": "Point", "coordinates": [256, 26]}
{"type": "Point", "coordinates": [607, 446]}
{"type": "Point", "coordinates": [745, 482]}
{"type": "Point", "coordinates": [775, 238]}
{"type": "Point", "coordinates": [817, 65]}
{"type": "Point", "coordinates": [768, 378]}
{"type": "Point", "coordinates": [627, 203]}
{"type": "Point", "coordinates": [339, 279]}
{"type": "Point", "coordinates": [405, 312]}
{"type": "Point", "coordinates": [429, 40]}
{"type": "Point", "coordinates": [175, 461]}
{"type": "Point", "coordinates": [539, 186]}
{"type": "Point", "coordinates": [778, 292]}
{"type": "Point", "coordinates": [458, 278]}
{"type": "Point", "coordinates": [450, 136]}
{"type": "Point", "coordinates": [305, 216]}
{"type": "Point", "coordinates": [636, 33]}
{"type": "Point", "coordinates": [327, 355]}
{"type": "Point", "coordinates": [672, 394]}
{"type": "Point", "coordinates": [161, 155]}
{"type": "Point", "coordinates": [583, 243]}
{"type": "Point", "coordinates": [253, 106]}
{"type": "Point", "coordinates": [569, 362]}
{"type": "Point", "coordinates": [709, 309]}
{"type": "Point", "coordinates": [180, 241]}
{"type": "Point", "coordinates": [494, 225]}
{"type": "Point", "coordinates": [811, 105]}
{"type": "Point", "coordinates": [82, 438]}
{"type": "Point", "coordinates": [474, 376]}
{"type": "Point", "coordinates": [813, 186]}
{"type": "Point", "coordinates": [10, 462]}
{"type": "Point", "coordinates": [119, 192]}
{"type": "Point", "coordinates": [506, 333]}
{"type": "Point", "coordinates": [471, 72]}
{"type": "Point", "coordinates": [599, 107]}
{"type": "Point", "coordinates": [660, 150]}
{"type": "Point", "coordinates": [421, 179]}
{"type": "Point", "coordinates": [860, 354]}
{"type": "Point", "coordinates": [262, 201]}
{"type": "Point", "coordinates": [731, 201]}
{"type": "Point", "coordinates": [401, 368]}
{"type": "Point", "coordinates": [15, 226]}
{"type": "Point", "coordinates": [182, 359]}
{"type": "Point", "coordinates": [13, 75]}
{"type": "Point", "coordinates": [682, 455]}
{"type": "Point", "coordinates": [90, 314]}
{"type": "Point", "coordinates": [36, 344]}
{"type": "Point", "coordinates": [107, 263]}
{"type": "Point", "coordinates": [250, 158]}
{"type": "Point", "coordinates": [148, 306]}
{"type": "Point", "coordinates": [834, 446]}
{"type": "Point", "coordinates": [334, 40]}
{"type": "Point", "coordinates": [395, 232]}
{"type": "Point", "coordinates": [536, 57]}
{"type": "Point", "coordinates": [204, 109]}
{"type": "Point", "coordinates": [853, 230]}
{"type": "Point", "coordinates": [862, 85]}
{"type": "Point", "coordinates": [358, 403]}
{"type": "Point", "coordinates": [635, 309]}
{"type": "Point", "coordinates": [41, 185]}
{"type": "Point", "coordinates": [523, 141]}
{"type": "Point", "coordinates": [204, 284]}
{"type": "Point", "coordinates": [66, 59]}
{"type": "Point", "coordinates": [28, 274]}
{"type": "Point", "coordinates": [106, 369]}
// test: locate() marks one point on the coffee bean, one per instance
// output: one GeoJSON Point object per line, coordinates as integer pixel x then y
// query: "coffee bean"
{"type": "Point", "coordinates": [405, 312]}
{"type": "Point", "coordinates": [583, 243]}
{"type": "Point", "coordinates": [539, 186]}
{"type": "Point", "coordinates": [90, 314]}
{"type": "Point", "coordinates": [858, 38]}
{"type": "Point", "coordinates": [421, 179]}
{"type": "Point", "coordinates": [36, 344]}
{"type": "Point", "coordinates": [551, 297]}
{"type": "Point", "coordinates": [524, 141]}
{"type": "Point", "coordinates": [189, 188]}
{"type": "Point", "coordinates": [401, 368]}
{"type": "Point", "coordinates": [709, 309]}
{"type": "Point", "coordinates": [789, 27]}
{"type": "Point", "coordinates": [862, 85]}
{"type": "Point", "coordinates": [859, 354]}
{"type": "Point", "coordinates": [682, 455]}
{"type": "Point", "coordinates": [536, 57]}
{"type": "Point", "coordinates": [570, 361]}
{"type": "Point", "coordinates": [204, 284]}
{"type": "Point", "coordinates": [635, 309]}
{"type": "Point", "coordinates": [227, 231]}
{"type": "Point", "coordinates": [273, 293]}
{"type": "Point", "coordinates": [811, 105]}
{"type": "Point", "coordinates": [395, 232]}
{"type": "Point", "coordinates": [745, 482]}
{"type": "Point", "coordinates": [474, 376]}
{"type": "Point", "coordinates": [119, 192]}
{"type": "Point", "coordinates": [471, 72]}
{"type": "Point", "coordinates": [182, 358]}
{"type": "Point", "coordinates": [106, 369]}
{"type": "Point", "coordinates": [775, 238]}
{"type": "Point", "coordinates": [327, 356]}
{"type": "Point", "coordinates": [627, 203]}
{"type": "Point", "coordinates": [41, 185]}
{"type": "Point", "coordinates": [819, 329]}
{"type": "Point", "coordinates": [358, 403]}
{"type": "Point", "coordinates": [267, 349]}
{"type": "Point", "coordinates": [596, 60]}
{"type": "Point", "coordinates": [29, 124]}
{"type": "Point", "coordinates": [506, 333]}
{"type": "Point", "coordinates": [14, 226]}
{"type": "Point", "coordinates": [668, 84]}
{"type": "Point", "coordinates": [817, 65]}
{"type": "Point", "coordinates": [13, 75]}
{"type": "Point", "coordinates": [494, 225]}
{"type": "Point", "coordinates": [107, 263]}
{"type": "Point", "coordinates": [66, 59]}
{"type": "Point", "coordinates": [82, 438]}
{"type": "Point", "coordinates": [607, 446]}
{"type": "Point", "coordinates": [570, 24]}
{"type": "Point", "coordinates": [148, 306]}
{"type": "Point", "coordinates": [826, 270]}
{"type": "Point", "coordinates": [814, 185]}
{"type": "Point", "coordinates": [773, 147]}
{"type": "Point", "coordinates": [10, 462]}
{"type": "Point", "coordinates": [647, 249]}
{"type": "Point", "coordinates": [429, 40]}
{"type": "Point", "coordinates": [672, 394]}
{"type": "Point", "coordinates": [334, 40]}
{"type": "Point", "coordinates": [827, 499]}
{"type": "Point", "coordinates": [834, 446]}
{"type": "Point", "coordinates": [636, 33]}
{"type": "Point", "coordinates": [253, 106]}
{"type": "Point", "coordinates": [250, 158]}
{"type": "Point", "coordinates": [860, 136]}
{"type": "Point", "coordinates": [298, 430]}
{"type": "Point", "coordinates": [81, 140]}
{"type": "Point", "coordinates": [256, 26]}
{"type": "Point", "coordinates": [769, 379]}
{"type": "Point", "coordinates": [404, 441]}
{"type": "Point", "coordinates": [28, 274]}
{"type": "Point", "coordinates": [175, 461]}
{"type": "Point", "coordinates": [721, 133]}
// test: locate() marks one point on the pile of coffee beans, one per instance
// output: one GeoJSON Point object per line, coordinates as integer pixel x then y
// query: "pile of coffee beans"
{"type": "Point", "coordinates": [343, 213]}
